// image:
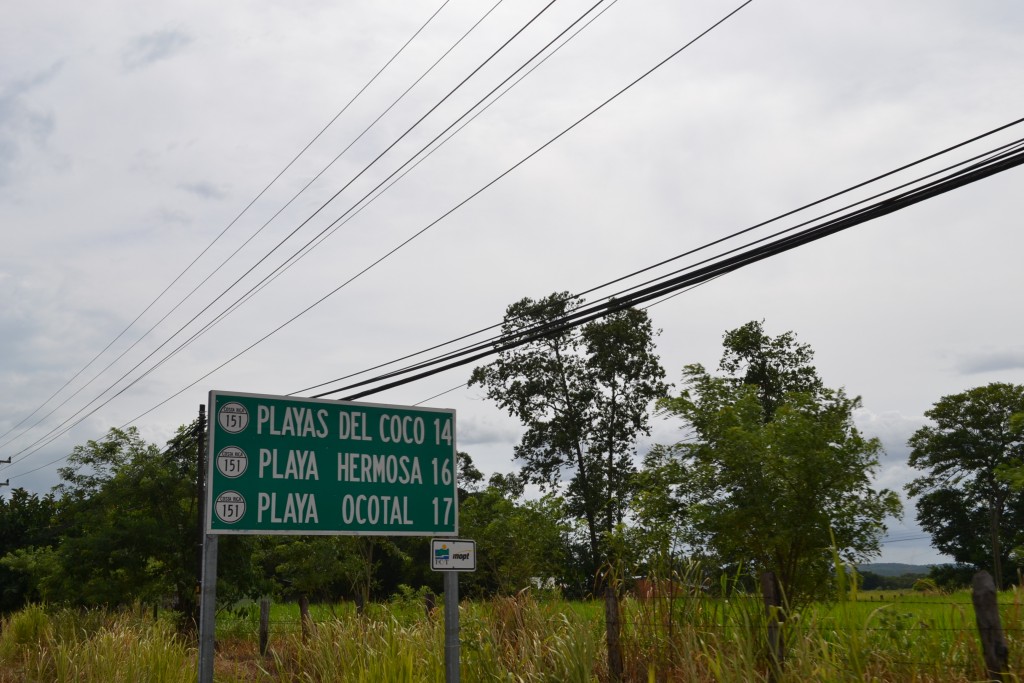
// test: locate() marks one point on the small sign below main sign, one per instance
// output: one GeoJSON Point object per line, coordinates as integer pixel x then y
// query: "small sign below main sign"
{"type": "Point", "coordinates": [452, 555]}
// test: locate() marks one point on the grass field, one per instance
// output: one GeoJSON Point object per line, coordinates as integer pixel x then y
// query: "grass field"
{"type": "Point", "coordinates": [877, 637]}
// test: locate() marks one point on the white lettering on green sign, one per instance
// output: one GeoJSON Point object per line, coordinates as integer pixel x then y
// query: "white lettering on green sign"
{"type": "Point", "coordinates": [298, 464]}
{"type": "Point", "coordinates": [282, 465]}
{"type": "Point", "coordinates": [373, 469]}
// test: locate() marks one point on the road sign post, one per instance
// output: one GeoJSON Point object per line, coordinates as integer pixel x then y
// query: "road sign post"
{"type": "Point", "coordinates": [452, 654]}
{"type": "Point", "coordinates": [451, 556]}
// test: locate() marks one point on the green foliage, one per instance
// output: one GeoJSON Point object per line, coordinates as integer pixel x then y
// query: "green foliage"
{"type": "Point", "coordinates": [322, 567]}
{"type": "Point", "coordinates": [26, 528]}
{"type": "Point", "coordinates": [773, 471]}
{"type": "Point", "coordinates": [123, 526]}
{"type": "Point", "coordinates": [775, 365]}
{"type": "Point", "coordinates": [469, 478]}
{"type": "Point", "coordinates": [26, 628]}
{"type": "Point", "coordinates": [305, 565]}
{"type": "Point", "coordinates": [74, 646]}
{"type": "Point", "coordinates": [694, 637]}
{"type": "Point", "coordinates": [926, 585]}
{"type": "Point", "coordinates": [37, 570]}
{"type": "Point", "coordinates": [127, 514]}
{"type": "Point", "coordinates": [583, 397]}
{"type": "Point", "coordinates": [951, 577]}
{"type": "Point", "coordinates": [660, 528]}
{"type": "Point", "coordinates": [965, 498]}
{"type": "Point", "coordinates": [870, 581]}
{"type": "Point", "coordinates": [517, 543]}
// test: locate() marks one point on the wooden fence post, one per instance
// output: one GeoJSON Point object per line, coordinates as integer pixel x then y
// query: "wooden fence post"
{"type": "Point", "coordinates": [612, 627]}
{"type": "Point", "coordinates": [264, 625]}
{"type": "Point", "coordinates": [429, 603]}
{"type": "Point", "coordinates": [990, 629]}
{"type": "Point", "coordinates": [360, 603]}
{"type": "Point", "coordinates": [773, 610]}
{"type": "Point", "coordinates": [304, 618]}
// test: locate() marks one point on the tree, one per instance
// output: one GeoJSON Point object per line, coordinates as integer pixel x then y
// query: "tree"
{"type": "Point", "coordinates": [968, 454]}
{"type": "Point", "coordinates": [660, 530]}
{"type": "Point", "coordinates": [25, 529]}
{"type": "Point", "coordinates": [468, 478]}
{"type": "Point", "coordinates": [126, 519]}
{"type": "Point", "coordinates": [510, 557]}
{"type": "Point", "coordinates": [778, 476]}
{"type": "Point", "coordinates": [775, 365]}
{"type": "Point", "coordinates": [584, 398]}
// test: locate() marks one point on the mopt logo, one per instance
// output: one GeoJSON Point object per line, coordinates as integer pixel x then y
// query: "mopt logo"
{"type": "Point", "coordinates": [452, 555]}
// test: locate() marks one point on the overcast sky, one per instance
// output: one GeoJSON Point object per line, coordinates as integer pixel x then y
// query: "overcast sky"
{"type": "Point", "coordinates": [133, 134]}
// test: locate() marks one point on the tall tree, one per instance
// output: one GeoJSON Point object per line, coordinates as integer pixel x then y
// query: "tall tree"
{"type": "Point", "coordinates": [584, 398]}
{"type": "Point", "coordinates": [966, 454]}
{"type": "Point", "coordinates": [127, 520]}
{"type": "Point", "coordinates": [26, 521]}
{"type": "Point", "coordinates": [510, 558]}
{"type": "Point", "coordinates": [777, 474]}
{"type": "Point", "coordinates": [775, 365]}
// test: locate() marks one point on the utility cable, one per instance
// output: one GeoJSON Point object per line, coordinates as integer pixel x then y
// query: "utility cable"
{"type": "Point", "coordinates": [603, 305]}
{"type": "Point", "coordinates": [36, 445]}
{"type": "Point", "coordinates": [730, 264]}
{"type": "Point", "coordinates": [377, 191]}
{"type": "Point", "coordinates": [278, 270]}
{"type": "Point", "coordinates": [956, 180]}
{"type": "Point", "coordinates": [626, 292]}
{"type": "Point", "coordinates": [466, 384]}
{"type": "Point", "coordinates": [282, 242]}
{"type": "Point", "coordinates": [206, 249]}
{"type": "Point", "coordinates": [374, 193]}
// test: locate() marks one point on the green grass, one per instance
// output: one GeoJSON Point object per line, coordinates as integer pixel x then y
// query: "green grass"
{"type": "Point", "coordinates": [877, 637]}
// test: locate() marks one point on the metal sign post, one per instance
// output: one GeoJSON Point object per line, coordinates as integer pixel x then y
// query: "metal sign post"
{"type": "Point", "coordinates": [452, 652]}
{"type": "Point", "coordinates": [451, 556]}
{"type": "Point", "coordinates": [208, 609]}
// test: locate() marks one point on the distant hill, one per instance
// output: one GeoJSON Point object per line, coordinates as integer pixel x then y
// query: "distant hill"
{"type": "Point", "coordinates": [894, 568]}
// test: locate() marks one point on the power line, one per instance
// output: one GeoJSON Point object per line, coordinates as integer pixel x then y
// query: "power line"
{"type": "Point", "coordinates": [887, 541]}
{"type": "Point", "coordinates": [267, 255]}
{"type": "Point", "coordinates": [36, 446]}
{"type": "Point", "coordinates": [464, 384]}
{"type": "Point", "coordinates": [999, 163]}
{"type": "Point", "coordinates": [370, 196]}
{"type": "Point", "coordinates": [206, 249]}
{"type": "Point", "coordinates": [374, 194]}
{"type": "Point", "coordinates": [627, 292]}
{"type": "Point", "coordinates": [779, 217]}
{"type": "Point", "coordinates": [587, 314]}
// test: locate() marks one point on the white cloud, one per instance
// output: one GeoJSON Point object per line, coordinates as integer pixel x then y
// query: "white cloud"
{"type": "Point", "coordinates": [22, 122]}
{"type": "Point", "coordinates": [993, 361]}
{"type": "Point", "coordinates": [153, 47]}
{"type": "Point", "coordinates": [202, 189]}
{"type": "Point", "coordinates": [122, 163]}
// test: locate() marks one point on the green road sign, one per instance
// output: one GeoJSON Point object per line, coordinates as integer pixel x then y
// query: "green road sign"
{"type": "Point", "coordinates": [281, 465]}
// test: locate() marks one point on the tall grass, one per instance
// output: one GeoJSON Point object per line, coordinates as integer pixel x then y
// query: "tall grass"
{"type": "Point", "coordinates": [688, 636]}
{"type": "Point", "coordinates": [68, 646]}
